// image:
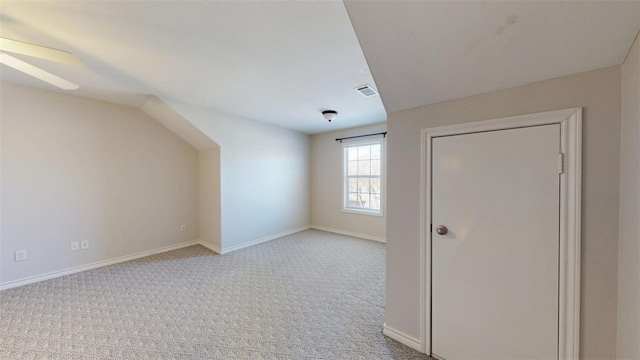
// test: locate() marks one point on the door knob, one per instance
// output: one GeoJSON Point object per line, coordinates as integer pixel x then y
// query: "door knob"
{"type": "Point", "coordinates": [442, 230]}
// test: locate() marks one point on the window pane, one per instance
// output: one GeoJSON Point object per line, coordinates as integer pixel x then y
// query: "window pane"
{"type": "Point", "coordinates": [353, 200]}
{"type": "Point", "coordinates": [363, 185]}
{"type": "Point", "coordinates": [375, 201]}
{"type": "Point", "coordinates": [364, 167]}
{"type": "Point", "coordinates": [364, 199]}
{"type": "Point", "coordinates": [375, 167]}
{"type": "Point", "coordinates": [352, 153]}
{"type": "Point", "coordinates": [375, 185]}
{"type": "Point", "coordinates": [364, 152]}
{"type": "Point", "coordinates": [352, 168]}
{"type": "Point", "coordinates": [353, 185]}
{"type": "Point", "coordinates": [375, 151]}
{"type": "Point", "coordinates": [356, 200]}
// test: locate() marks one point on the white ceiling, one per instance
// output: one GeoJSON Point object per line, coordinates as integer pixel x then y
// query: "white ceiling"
{"type": "Point", "coordinates": [277, 62]}
{"type": "Point", "coordinates": [285, 62]}
{"type": "Point", "coordinates": [427, 52]}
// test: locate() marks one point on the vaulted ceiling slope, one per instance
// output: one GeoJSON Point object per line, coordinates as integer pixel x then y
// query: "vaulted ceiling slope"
{"type": "Point", "coordinates": [276, 62]}
{"type": "Point", "coordinates": [426, 52]}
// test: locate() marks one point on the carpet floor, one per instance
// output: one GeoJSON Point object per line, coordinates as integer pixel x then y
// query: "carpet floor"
{"type": "Point", "coordinates": [310, 295]}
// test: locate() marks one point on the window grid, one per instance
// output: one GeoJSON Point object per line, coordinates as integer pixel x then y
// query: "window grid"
{"type": "Point", "coordinates": [362, 181]}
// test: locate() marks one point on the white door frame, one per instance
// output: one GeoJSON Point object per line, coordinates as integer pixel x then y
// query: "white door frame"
{"type": "Point", "coordinates": [570, 121]}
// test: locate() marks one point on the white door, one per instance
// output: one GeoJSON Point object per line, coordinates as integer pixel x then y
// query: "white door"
{"type": "Point", "coordinates": [495, 273]}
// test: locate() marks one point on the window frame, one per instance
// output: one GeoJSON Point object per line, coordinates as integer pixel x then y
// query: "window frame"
{"type": "Point", "coordinates": [345, 183]}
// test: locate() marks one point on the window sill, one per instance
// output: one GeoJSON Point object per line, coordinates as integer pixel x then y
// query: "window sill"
{"type": "Point", "coordinates": [363, 212]}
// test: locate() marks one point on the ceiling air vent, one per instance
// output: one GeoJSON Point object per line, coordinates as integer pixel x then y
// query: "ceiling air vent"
{"type": "Point", "coordinates": [366, 90]}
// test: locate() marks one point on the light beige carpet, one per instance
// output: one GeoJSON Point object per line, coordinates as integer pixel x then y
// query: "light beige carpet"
{"type": "Point", "coordinates": [311, 295]}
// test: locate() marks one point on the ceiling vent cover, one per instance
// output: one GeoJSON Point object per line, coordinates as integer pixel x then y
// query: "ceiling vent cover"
{"type": "Point", "coordinates": [366, 90]}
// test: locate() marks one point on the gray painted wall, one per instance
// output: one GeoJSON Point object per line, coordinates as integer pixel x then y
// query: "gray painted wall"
{"type": "Point", "coordinates": [209, 197]}
{"type": "Point", "coordinates": [264, 175]}
{"type": "Point", "coordinates": [629, 246]}
{"type": "Point", "coordinates": [327, 185]}
{"type": "Point", "coordinates": [598, 92]}
{"type": "Point", "coordinates": [76, 169]}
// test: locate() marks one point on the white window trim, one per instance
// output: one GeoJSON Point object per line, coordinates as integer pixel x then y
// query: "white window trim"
{"type": "Point", "coordinates": [382, 177]}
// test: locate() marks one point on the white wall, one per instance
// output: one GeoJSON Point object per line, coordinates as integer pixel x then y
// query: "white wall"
{"type": "Point", "coordinates": [629, 243]}
{"type": "Point", "coordinates": [209, 211]}
{"type": "Point", "coordinates": [76, 169]}
{"type": "Point", "coordinates": [209, 197]}
{"type": "Point", "coordinates": [598, 92]}
{"type": "Point", "coordinates": [264, 175]}
{"type": "Point", "coordinates": [327, 186]}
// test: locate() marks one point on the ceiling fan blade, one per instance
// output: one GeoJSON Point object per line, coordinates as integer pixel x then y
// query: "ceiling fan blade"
{"type": "Point", "coordinates": [36, 72]}
{"type": "Point", "coordinates": [19, 47]}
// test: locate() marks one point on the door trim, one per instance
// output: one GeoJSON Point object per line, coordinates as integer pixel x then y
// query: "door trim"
{"type": "Point", "coordinates": [570, 121]}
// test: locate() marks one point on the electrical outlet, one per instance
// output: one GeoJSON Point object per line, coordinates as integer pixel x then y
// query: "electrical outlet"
{"type": "Point", "coordinates": [183, 227]}
{"type": "Point", "coordinates": [84, 244]}
{"type": "Point", "coordinates": [75, 246]}
{"type": "Point", "coordinates": [21, 255]}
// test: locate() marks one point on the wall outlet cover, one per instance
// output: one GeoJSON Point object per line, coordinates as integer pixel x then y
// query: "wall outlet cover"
{"type": "Point", "coordinates": [74, 246]}
{"type": "Point", "coordinates": [20, 255]}
{"type": "Point", "coordinates": [84, 244]}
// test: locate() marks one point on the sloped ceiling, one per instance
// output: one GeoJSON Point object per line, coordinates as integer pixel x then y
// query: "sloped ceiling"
{"type": "Point", "coordinates": [284, 62]}
{"type": "Point", "coordinates": [425, 52]}
{"type": "Point", "coordinates": [276, 62]}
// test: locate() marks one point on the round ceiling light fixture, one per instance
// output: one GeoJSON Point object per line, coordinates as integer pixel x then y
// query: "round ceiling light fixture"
{"type": "Point", "coordinates": [329, 114]}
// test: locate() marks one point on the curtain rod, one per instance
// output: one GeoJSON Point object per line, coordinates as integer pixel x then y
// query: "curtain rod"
{"type": "Point", "coordinates": [384, 134]}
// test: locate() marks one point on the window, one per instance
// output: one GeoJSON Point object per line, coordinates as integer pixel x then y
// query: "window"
{"type": "Point", "coordinates": [362, 177]}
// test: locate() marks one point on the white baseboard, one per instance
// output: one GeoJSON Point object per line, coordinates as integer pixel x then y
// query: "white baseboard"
{"type": "Point", "coordinates": [402, 338]}
{"type": "Point", "coordinates": [264, 239]}
{"type": "Point", "coordinates": [349, 233]}
{"type": "Point", "coordinates": [210, 246]}
{"type": "Point", "coordinates": [98, 264]}
{"type": "Point", "coordinates": [95, 265]}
